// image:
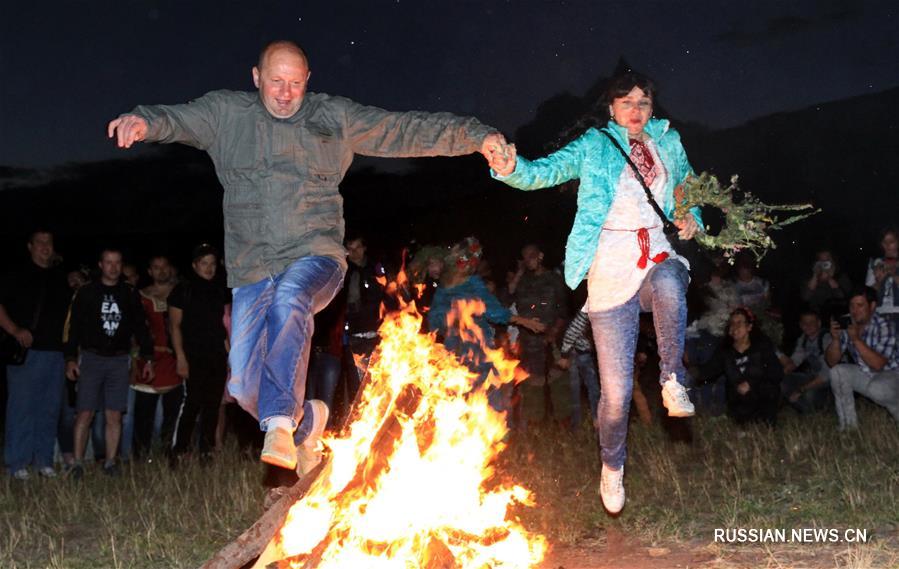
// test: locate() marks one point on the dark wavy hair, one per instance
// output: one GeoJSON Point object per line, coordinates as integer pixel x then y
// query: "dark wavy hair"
{"type": "Point", "coordinates": [755, 335]}
{"type": "Point", "coordinates": [598, 114]}
{"type": "Point", "coordinates": [621, 85]}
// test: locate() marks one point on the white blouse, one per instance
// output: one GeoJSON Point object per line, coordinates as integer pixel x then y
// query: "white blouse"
{"type": "Point", "coordinates": [614, 276]}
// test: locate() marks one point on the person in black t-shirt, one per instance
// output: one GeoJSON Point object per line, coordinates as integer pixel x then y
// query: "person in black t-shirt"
{"type": "Point", "coordinates": [33, 304]}
{"type": "Point", "coordinates": [104, 317]}
{"type": "Point", "coordinates": [751, 369]}
{"type": "Point", "coordinates": [197, 309]}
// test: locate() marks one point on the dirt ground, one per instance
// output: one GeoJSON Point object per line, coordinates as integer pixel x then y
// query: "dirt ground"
{"type": "Point", "coordinates": [619, 551]}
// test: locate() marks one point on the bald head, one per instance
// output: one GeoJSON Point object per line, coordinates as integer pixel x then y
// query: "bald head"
{"type": "Point", "coordinates": [285, 47]}
{"type": "Point", "coordinates": [281, 77]}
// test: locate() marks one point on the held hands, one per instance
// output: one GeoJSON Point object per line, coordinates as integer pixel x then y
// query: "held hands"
{"type": "Point", "coordinates": [500, 155]}
{"type": "Point", "coordinates": [743, 387]}
{"type": "Point", "coordinates": [687, 226]}
{"type": "Point", "coordinates": [127, 130]}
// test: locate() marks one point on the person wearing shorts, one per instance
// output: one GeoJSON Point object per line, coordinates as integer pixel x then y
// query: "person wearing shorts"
{"type": "Point", "coordinates": [104, 317]}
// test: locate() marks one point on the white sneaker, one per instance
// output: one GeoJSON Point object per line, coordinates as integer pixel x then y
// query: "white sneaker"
{"type": "Point", "coordinates": [309, 452]}
{"type": "Point", "coordinates": [47, 472]}
{"type": "Point", "coordinates": [674, 396]}
{"type": "Point", "coordinates": [21, 474]}
{"type": "Point", "coordinates": [611, 489]}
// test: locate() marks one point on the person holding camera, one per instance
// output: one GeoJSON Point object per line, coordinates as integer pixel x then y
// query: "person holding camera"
{"type": "Point", "coordinates": [806, 383]}
{"type": "Point", "coordinates": [870, 343]}
{"type": "Point", "coordinates": [827, 286]}
{"type": "Point", "coordinates": [884, 278]}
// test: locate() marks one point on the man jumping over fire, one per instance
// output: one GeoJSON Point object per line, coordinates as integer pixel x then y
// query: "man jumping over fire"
{"type": "Point", "coordinates": [280, 155]}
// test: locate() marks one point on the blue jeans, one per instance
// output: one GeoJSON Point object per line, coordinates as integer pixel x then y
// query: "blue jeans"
{"type": "Point", "coordinates": [324, 374]}
{"type": "Point", "coordinates": [33, 407]}
{"type": "Point", "coordinates": [583, 370]}
{"type": "Point", "coordinates": [272, 323]}
{"type": "Point", "coordinates": [663, 292]}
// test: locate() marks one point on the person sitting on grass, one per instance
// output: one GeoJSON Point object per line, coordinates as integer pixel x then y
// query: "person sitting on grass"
{"type": "Point", "coordinates": [751, 369]}
{"type": "Point", "coordinates": [807, 382]}
{"type": "Point", "coordinates": [461, 283]}
{"type": "Point", "coordinates": [870, 342]}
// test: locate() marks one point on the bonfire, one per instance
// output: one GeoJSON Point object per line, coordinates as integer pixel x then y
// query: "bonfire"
{"type": "Point", "coordinates": [411, 482]}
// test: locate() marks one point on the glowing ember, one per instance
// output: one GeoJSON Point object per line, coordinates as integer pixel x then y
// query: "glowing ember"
{"type": "Point", "coordinates": [411, 484]}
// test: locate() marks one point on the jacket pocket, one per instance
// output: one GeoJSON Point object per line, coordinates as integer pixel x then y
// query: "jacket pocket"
{"type": "Point", "coordinates": [245, 234]}
{"type": "Point", "coordinates": [315, 210]}
{"type": "Point", "coordinates": [322, 178]}
{"type": "Point", "coordinates": [243, 210]}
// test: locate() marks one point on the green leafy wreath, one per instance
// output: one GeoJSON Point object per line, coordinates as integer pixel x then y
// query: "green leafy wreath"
{"type": "Point", "coordinates": [746, 224]}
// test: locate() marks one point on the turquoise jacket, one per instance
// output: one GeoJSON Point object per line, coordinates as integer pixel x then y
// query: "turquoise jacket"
{"type": "Point", "coordinates": [594, 160]}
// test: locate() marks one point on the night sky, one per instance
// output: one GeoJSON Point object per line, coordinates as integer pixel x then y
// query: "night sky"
{"type": "Point", "coordinates": [67, 67]}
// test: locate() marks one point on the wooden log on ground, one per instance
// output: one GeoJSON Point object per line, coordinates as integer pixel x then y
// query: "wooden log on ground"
{"type": "Point", "coordinates": [244, 551]}
{"type": "Point", "coordinates": [249, 545]}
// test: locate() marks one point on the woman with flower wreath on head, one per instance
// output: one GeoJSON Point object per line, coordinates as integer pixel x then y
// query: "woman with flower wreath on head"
{"type": "Point", "coordinates": [618, 244]}
{"type": "Point", "coordinates": [751, 370]}
{"type": "Point", "coordinates": [460, 283]}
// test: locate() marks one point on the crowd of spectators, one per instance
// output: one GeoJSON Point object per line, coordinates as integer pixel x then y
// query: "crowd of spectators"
{"type": "Point", "coordinates": [98, 366]}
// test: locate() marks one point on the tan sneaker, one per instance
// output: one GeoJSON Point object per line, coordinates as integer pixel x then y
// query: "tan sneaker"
{"type": "Point", "coordinates": [309, 452]}
{"type": "Point", "coordinates": [279, 449]}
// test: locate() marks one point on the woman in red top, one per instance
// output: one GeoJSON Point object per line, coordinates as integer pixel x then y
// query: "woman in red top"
{"type": "Point", "coordinates": [166, 385]}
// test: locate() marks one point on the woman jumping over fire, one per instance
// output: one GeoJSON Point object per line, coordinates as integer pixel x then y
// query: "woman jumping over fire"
{"type": "Point", "coordinates": [619, 245]}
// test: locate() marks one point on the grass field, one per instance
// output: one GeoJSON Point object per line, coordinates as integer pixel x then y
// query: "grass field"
{"type": "Point", "coordinates": [804, 474]}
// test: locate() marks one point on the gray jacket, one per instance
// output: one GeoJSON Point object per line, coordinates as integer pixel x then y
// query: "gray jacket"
{"type": "Point", "coordinates": [281, 175]}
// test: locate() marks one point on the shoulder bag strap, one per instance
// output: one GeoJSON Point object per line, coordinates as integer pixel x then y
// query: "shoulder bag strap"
{"type": "Point", "coordinates": [668, 226]}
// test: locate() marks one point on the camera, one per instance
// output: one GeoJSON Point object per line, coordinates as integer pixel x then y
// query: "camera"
{"type": "Point", "coordinates": [822, 266]}
{"type": "Point", "coordinates": [844, 321]}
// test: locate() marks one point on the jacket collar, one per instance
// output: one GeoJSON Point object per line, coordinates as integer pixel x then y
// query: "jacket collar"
{"type": "Point", "coordinates": [297, 116]}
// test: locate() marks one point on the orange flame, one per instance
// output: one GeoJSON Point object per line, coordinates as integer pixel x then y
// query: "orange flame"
{"type": "Point", "coordinates": [433, 492]}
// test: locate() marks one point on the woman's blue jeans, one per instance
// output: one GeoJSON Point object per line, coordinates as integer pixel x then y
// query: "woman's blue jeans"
{"type": "Point", "coordinates": [663, 292]}
{"type": "Point", "coordinates": [271, 334]}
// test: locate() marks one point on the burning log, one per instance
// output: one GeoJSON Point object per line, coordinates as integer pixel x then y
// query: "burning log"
{"type": "Point", "coordinates": [251, 543]}
{"type": "Point", "coordinates": [410, 479]}
{"type": "Point", "coordinates": [383, 446]}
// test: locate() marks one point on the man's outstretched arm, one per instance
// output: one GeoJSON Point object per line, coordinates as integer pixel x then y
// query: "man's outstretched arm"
{"type": "Point", "coordinates": [194, 123]}
{"type": "Point", "coordinates": [376, 132]}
